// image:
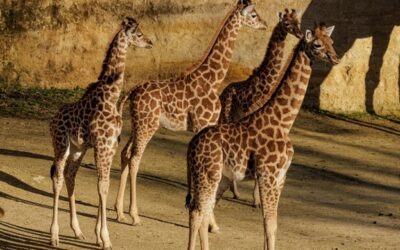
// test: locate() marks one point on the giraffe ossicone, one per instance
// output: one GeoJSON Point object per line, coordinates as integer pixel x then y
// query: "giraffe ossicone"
{"type": "Point", "coordinates": [93, 121]}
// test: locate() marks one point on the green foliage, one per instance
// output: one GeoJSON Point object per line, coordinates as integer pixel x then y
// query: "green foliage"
{"type": "Point", "coordinates": [34, 102]}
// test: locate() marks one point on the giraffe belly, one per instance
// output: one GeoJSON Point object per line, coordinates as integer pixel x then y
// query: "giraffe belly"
{"type": "Point", "coordinates": [233, 174]}
{"type": "Point", "coordinates": [239, 176]}
{"type": "Point", "coordinates": [173, 122]}
{"type": "Point", "coordinates": [77, 141]}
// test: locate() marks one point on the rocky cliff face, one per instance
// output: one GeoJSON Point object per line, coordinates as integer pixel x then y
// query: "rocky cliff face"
{"type": "Point", "coordinates": [61, 43]}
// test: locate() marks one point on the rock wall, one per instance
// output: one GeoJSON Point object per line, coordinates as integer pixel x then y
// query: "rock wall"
{"type": "Point", "coordinates": [61, 43]}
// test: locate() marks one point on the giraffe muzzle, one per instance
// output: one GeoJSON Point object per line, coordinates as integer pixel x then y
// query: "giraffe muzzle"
{"type": "Point", "coordinates": [333, 59]}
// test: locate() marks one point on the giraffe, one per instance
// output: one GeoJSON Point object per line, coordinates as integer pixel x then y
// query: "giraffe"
{"type": "Point", "coordinates": [92, 121]}
{"type": "Point", "coordinates": [189, 102]}
{"type": "Point", "coordinates": [257, 145]}
{"type": "Point", "coordinates": [242, 98]}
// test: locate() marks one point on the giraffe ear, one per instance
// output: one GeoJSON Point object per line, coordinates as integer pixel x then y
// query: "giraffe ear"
{"type": "Point", "coordinates": [129, 22]}
{"type": "Point", "coordinates": [309, 37]}
{"type": "Point", "coordinates": [279, 14]}
{"type": "Point", "coordinates": [248, 9]}
{"type": "Point", "coordinates": [245, 2]}
{"type": "Point", "coordinates": [125, 22]}
{"type": "Point", "coordinates": [330, 30]}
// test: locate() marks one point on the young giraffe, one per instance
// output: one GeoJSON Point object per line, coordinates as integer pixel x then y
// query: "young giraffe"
{"type": "Point", "coordinates": [257, 145]}
{"type": "Point", "coordinates": [242, 98]}
{"type": "Point", "coordinates": [93, 121]}
{"type": "Point", "coordinates": [189, 102]}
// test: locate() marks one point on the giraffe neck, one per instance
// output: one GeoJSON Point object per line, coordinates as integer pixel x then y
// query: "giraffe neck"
{"type": "Point", "coordinates": [285, 104]}
{"type": "Point", "coordinates": [274, 55]}
{"type": "Point", "coordinates": [114, 63]}
{"type": "Point", "coordinates": [268, 75]}
{"type": "Point", "coordinates": [215, 63]}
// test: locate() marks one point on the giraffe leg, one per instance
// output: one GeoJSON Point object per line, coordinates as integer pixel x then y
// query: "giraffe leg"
{"type": "Point", "coordinates": [73, 163]}
{"type": "Point", "coordinates": [99, 242]}
{"type": "Point", "coordinates": [270, 191]}
{"type": "Point", "coordinates": [103, 157]}
{"type": "Point", "coordinates": [103, 187]}
{"type": "Point", "coordinates": [137, 152]}
{"type": "Point", "coordinates": [256, 194]}
{"type": "Point", "coordinates": [199, 214]}
{"type": "Point", "coordinates": [204, 232]}
{"type": "Point", "coordinates": [195, 219]}
{"type": "Point", "coordinates": [269, 206]}
{"type": "Point", "coordinates": [234, 190]}
{"type": "Point", "coordinates": [202, 212]}
{"type": "Point", "coordinates": [224, 184]}
{"type": "Point", "coordinates": [119, 203]}
{"type": "Point", "coordinates": [57, 176]}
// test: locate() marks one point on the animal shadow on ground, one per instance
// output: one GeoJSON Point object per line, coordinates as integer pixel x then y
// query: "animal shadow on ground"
{"type": "Point", "coordinates": [15, 237]}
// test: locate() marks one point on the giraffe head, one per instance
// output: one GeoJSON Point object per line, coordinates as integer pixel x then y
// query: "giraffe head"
{"type": "Point", "coordinates": [134, 34]}
{"type": "Point", "coordinates": [320, 44]}
{"type": "Point", "coordinates": [249, 16]}
{"type": "Point", "coordinates": [290, 22]}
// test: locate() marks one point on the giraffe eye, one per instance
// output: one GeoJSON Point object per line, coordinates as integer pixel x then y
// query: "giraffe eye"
{"type": "Point", "coordinates": [253, 15]}
{"type": "Point", "coordinates": [139, 35]}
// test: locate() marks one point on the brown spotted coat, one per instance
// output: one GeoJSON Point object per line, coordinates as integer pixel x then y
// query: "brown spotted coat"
{"type": "Point", "coordinates": [240, 99]}
{"type": "Point", "coordinates": [92, 121]}
{"type": "Point", "coordinates": [259, 145]}
{"type": "Point", "coordinates": [189, 102]}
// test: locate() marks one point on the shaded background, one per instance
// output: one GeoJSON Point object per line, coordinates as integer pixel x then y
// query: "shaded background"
{"type": "Point", "coordinates": [61, 43]}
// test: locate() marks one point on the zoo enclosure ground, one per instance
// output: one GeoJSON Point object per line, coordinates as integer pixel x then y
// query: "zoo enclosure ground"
{"type": "Point", "coordinates": [342, 191]}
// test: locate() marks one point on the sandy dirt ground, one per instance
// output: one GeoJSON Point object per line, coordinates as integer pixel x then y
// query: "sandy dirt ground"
{"type": "Point", "coordinates": [342, 191]}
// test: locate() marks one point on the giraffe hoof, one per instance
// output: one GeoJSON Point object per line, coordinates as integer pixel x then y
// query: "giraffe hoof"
{"type": "Point", "coordinates": [121, 218]}
{"type": "Point", "coordinates": [137, 223]}
{"type": "Point", "coordinates": [80, 237]}
{"type": "Point", "coordinates": [136, 220]}
{"type": "Point", "coordinates": [236, 196]}
{"type": "Point", "coordinates": [99, 243]}
{"type": "Point", "coordinates": [54, 242]}
{"type": "Point", "coordinates": [214, 230]}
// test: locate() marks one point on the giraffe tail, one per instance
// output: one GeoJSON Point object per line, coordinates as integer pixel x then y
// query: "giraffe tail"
{"type": "Point", "coordinates": [52, 170]}
{"type": "Point", "coordinates": [189, 195]}
{"type": "Point", "coordinates": [189, 182]}
{"type": "Point", "coordinates": [188, 200]}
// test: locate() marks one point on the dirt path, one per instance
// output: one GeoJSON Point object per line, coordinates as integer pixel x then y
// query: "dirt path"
{"type": "Point", "coordinates": [342, 192]}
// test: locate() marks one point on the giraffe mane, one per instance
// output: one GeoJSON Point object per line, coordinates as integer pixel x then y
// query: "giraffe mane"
{"type": "Point", "coordinates": [289, 64]}
{"type": "Point", "coordinates": [267, 53]}
{"type": "Point", "coordinates": [90, 88]}
{"type": "Point", "coordinates": [211, 45]}
{"type": "Point", "coordinates": [107, 58]}
{"type": "Point", "coordinates": [108, 54]}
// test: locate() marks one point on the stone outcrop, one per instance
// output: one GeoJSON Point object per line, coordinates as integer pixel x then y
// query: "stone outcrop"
{"type": "Point", "coordinates": [61, 43]}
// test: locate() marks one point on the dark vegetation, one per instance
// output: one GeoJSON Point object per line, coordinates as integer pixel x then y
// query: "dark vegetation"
{"type": "Point", "coordinates": [34, 102]}
{"type": "Point", "coordinates": [42, 103]}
